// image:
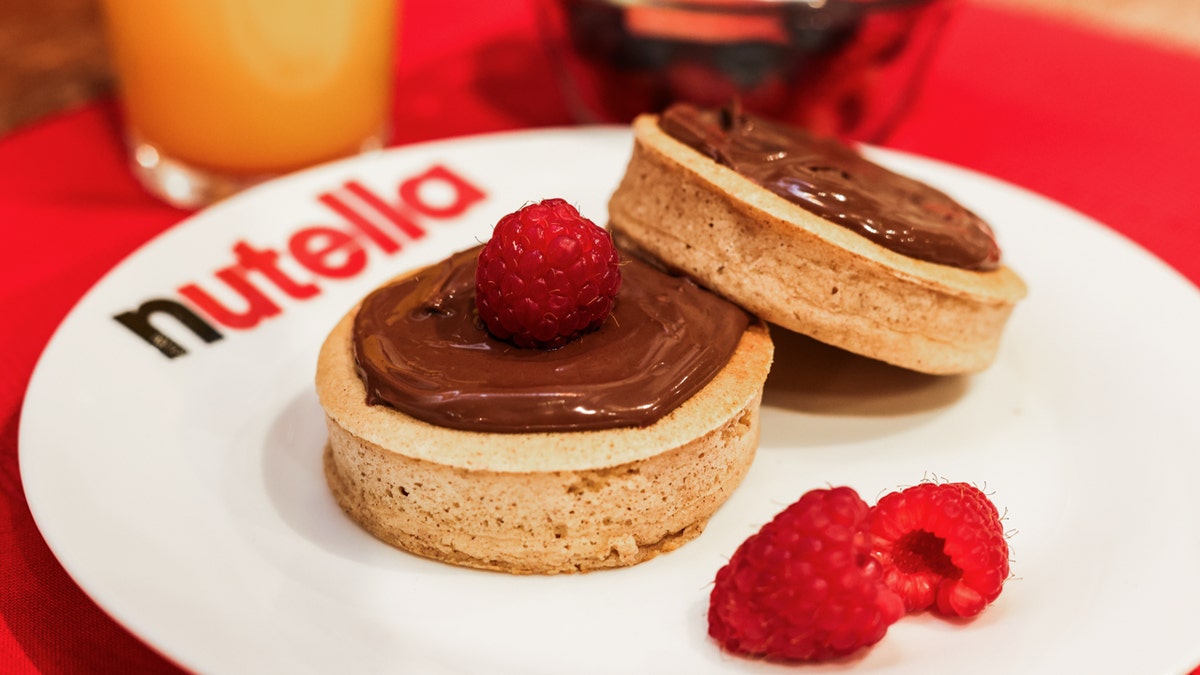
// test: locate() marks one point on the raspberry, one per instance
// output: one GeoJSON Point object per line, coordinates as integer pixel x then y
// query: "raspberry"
{"type": "Point", "coordinates": [941, 545]}
{"type": "Point", "coordinates": [546, 276]}
{"type": "Point", "coordinates": [805, 587]}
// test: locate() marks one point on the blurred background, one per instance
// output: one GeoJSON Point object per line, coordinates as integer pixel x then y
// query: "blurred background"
{"type": "Point", "coordinates": [52, 54]}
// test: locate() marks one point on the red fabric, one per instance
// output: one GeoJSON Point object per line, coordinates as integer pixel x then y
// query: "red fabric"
{"type": "Point", "coordinates": [1102, 124]}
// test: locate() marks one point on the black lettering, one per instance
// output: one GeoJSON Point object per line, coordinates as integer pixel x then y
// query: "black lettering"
{"type": "Point", "coordinates": [139, 322]}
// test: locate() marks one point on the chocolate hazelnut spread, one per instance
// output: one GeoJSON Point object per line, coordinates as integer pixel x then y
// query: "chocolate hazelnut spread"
{"type": "Point", "coordinates": [835, 182]}
{"type": "Point", "coordinates": [421, 349]}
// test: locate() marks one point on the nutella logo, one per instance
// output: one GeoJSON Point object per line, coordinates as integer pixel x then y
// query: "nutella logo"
{"type": "Point", "coordinates": [366, 224]}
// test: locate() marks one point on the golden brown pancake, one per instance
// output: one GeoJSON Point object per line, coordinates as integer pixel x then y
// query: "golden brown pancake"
{"type": "Point", "coordinates": [545, 502]}
{"type": "Point", "coordinates": [796, 269]}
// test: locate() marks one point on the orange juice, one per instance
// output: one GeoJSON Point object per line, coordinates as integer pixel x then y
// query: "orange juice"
{"type": "Point", "coordinates": [253, 86]}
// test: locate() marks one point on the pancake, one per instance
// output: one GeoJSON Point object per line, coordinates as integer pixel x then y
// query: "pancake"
{"type": "Point", "coordinates": [547, 501]}
{"type": "Point", "coordinates": [801, 271]}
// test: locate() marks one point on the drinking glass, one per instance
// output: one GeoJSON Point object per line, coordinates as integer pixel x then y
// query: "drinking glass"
{"type": "Point", "coordinates": [217, 95]}
{"type": "Point", "coordinates": [846, 68]}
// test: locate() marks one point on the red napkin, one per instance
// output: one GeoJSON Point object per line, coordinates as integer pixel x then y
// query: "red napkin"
{"type": "Point", "coordinates": [1102, 124]}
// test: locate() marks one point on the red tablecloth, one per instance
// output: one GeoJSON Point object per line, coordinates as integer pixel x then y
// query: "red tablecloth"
{"type": "Point", "coordinates": [1105, 125]}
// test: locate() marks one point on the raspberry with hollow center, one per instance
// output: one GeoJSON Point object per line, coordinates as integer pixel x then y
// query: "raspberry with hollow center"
{"type": "Point", "coordinates": [546, 276]}
{"type": "Point", "coordinates": [941, 546]}
{"type": "Point", "coordinates": [805, 587]}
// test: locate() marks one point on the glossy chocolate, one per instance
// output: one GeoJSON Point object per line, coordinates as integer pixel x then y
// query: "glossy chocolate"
{"type": "Point", "coordinates": [421, 349]}
{"type": "Point", "coordinates": [834, 181]}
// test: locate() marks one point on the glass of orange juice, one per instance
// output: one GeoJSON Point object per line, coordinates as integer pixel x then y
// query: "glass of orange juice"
{"type": "Point", "coordinates": [221, 94]}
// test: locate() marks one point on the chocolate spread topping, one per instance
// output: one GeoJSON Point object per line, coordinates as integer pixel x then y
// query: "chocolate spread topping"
{"type": "Point", "coordinates": [834, 181]}
{"type": "Point", "coordinates": [421, 349]}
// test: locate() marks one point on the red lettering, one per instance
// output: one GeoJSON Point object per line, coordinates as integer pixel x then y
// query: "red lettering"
{"type": "Point", "coordinates": [258, 306]}
{"type": "Point", "coordinates": [324, 251]}
{"type": "Point", "coordinates": [386, 243]}
{"type": "Point", "coordinates": [316, 249]}
{"type": "Point", "coordinates": [397, 218]}
{"type": "Point", "coordinates": [266, 262]}
{"type": "Point", "coordinates": [465, 194]}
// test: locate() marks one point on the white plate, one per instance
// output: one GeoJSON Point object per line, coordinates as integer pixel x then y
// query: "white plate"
{"type": "Point", "coordinates": [186, 496]}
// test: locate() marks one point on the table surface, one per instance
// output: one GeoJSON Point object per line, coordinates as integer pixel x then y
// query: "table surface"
{"type": "Point", "coordinates": [1092, 103]}
{"type": "Point", "coordinates": [52, 52]}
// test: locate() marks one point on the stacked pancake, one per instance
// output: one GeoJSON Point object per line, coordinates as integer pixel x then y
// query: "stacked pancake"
{"type": "Point", "coordinates": [807, 234]}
